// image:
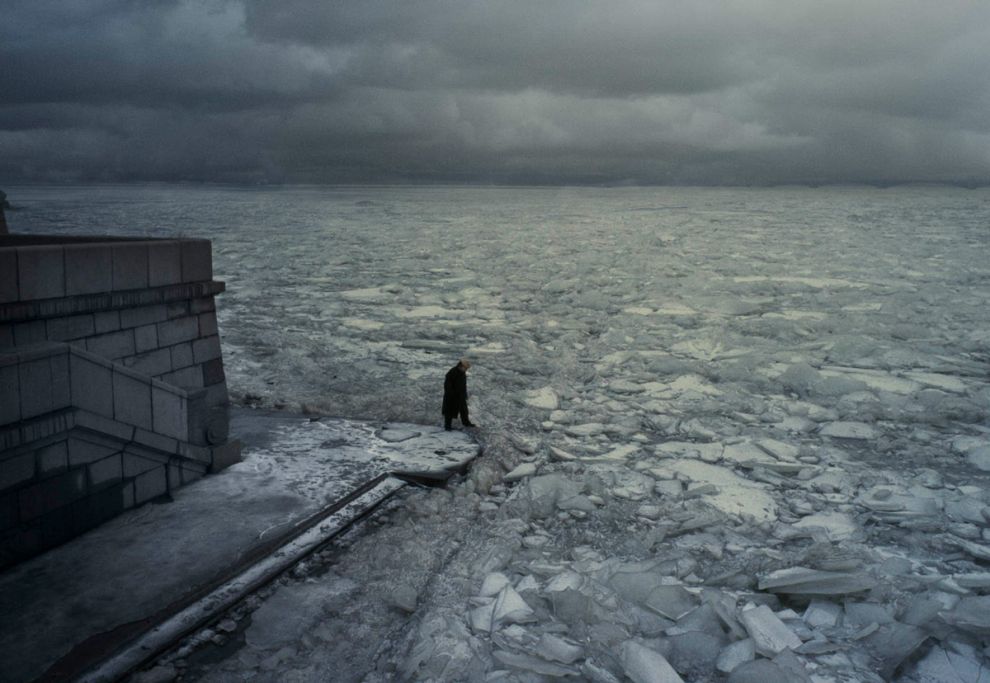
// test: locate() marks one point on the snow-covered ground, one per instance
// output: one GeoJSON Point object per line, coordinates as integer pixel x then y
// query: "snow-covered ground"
{"type": "Point", "coordinates": [725, 430]}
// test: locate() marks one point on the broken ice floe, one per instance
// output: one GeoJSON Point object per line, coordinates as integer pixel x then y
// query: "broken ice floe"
{"type": "Point", "coordinates": [730, 405]}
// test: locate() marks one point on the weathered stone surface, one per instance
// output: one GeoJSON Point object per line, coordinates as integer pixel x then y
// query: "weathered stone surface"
{"type": "Point", "coordinates": [92, 385]}
{"type": "Point", "coordinates": [40, 272]}
{"type": "Point", "coordinates": [178, 330]}
{"type": "Point", "coordinates": [99, 297]}
{"type": "Point", "coordinates": [151, 484]}
{"type": "Point", "coordinates": [105, 471]}
{"type": "Point", "coordinates": [10, 394]}
{"type": "Point", "coordinates": [197, 260]}
{"type": "Point", "coordinates": [182, 355]}
{"type": "Point", "coordinates": [164, 263]}
{"type": "Point", "coordinates": [88, 269]}
{"type": "Point", "coordinates": [8, 275]}
{"type": "Point", "coordinates": [70, 327]}
{"type": "Point", "coordinates": [143, 315]}
{"type": "Point", "coordinates": [52, 458]}
{"type": "Point", "coordinates": [130, 265]}
{"type": "Point", "coordinates": [132, 400]}
{"type": "Point", "coordinates": [169, 413]}
{"type": "Point", "coordinates": [35, 387]}
{"type": "Point", "coordinates": [152, 363]}
{"type": "Point", "coordinates": [206, 349]}
{"type": "Point", "coordinates": [112, 346]}
{"type": "Point", "coordinates": [16, 470]}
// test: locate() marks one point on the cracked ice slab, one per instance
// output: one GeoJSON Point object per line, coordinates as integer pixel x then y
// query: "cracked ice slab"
{"type": "Point", "coordinates": [736, 495]}
{"type": "Point", "coordinates": [803, 581]}
{"type": "Point", "coordinates": [770, 635]}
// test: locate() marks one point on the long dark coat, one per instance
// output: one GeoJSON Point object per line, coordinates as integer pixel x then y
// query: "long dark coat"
{"type": "Point", "coordinates": [455, 392]}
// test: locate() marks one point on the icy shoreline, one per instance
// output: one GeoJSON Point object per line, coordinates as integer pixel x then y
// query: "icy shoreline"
{"type": "Point", "coordinates": [805, 368]}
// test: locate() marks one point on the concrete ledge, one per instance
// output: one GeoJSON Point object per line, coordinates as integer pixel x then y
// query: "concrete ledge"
{"type": "Point", "coordinates": [46, 267]}
{"type": "Point", "coordinates": [130, 266]}
{"type": "Point", "coordinates": [88, 269]}
{"type": "Point", "coordinates": [40, 272]}
{"type": "Point", "coordinates": [197, 260]}
{"type": "Point", "coordinates": [9, 290]}
{"type": "Point", "coordinates": [164, 263]}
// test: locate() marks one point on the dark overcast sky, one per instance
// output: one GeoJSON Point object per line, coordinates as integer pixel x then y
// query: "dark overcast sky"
{"type": "Point", "coordinates": [524, 91]}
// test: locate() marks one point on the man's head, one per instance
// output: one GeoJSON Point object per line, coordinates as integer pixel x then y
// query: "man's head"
{"type": "Point", "coordinates": [464, 364]}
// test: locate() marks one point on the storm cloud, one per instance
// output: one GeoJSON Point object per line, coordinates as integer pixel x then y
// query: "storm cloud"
{"type": "Point", "coordinates": [708, 92]}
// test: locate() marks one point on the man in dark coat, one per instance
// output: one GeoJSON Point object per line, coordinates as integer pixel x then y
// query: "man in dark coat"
{"type": "Point", "coordinates": [455, 395]}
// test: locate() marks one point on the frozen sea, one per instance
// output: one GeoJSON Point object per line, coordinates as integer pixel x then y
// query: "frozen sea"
{"type": "Point", "coordinates": [724, 428]}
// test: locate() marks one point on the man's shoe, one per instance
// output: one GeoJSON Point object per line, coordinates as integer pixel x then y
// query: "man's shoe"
{"type": "Point", "coordinates": [470, 424]}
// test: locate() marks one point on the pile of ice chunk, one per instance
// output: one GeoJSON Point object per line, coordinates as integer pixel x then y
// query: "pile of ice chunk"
{"type": "Point", "coordinates": [713, 389]}
{"type": "Point", "coordinates": [746, 559]}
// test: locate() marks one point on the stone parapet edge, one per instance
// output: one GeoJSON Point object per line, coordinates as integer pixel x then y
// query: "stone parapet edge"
{"type": "Point", "coordinates": [23, 311]}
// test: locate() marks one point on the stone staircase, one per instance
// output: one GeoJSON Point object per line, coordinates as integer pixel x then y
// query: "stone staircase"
{"type": "Point", "coordinates": [112, 390]}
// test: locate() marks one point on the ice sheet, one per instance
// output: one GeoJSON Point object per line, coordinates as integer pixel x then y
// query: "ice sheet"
{"type": "Point", "coordinates": [816, 358]}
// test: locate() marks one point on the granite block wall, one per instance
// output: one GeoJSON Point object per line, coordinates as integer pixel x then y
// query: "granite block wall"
{"type": "Point", "coordinates": [112, 390]}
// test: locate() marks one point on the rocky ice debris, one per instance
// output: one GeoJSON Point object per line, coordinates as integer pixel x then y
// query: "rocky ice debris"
{"type": "Point", "coordinates": [527, 469]}
{"type": "Point", "coordinates": [822, 614]}
{"type": "Point", "coordinates": [770, 635]}
{"type": "Point", "coordinates": [849, 430]}
{"type": "Point", "coordinates": [971, 613]}
{"type": "Point", "coordinates": [734, 654]}
{"type": "Point", "coordinates": [952, 663]}
{"type": "Point", "coordinates": [545, 398]}
{"type": "Point", "coordinates": [803, 581]}
{"type": "Point", "coordinates": [643, 665]}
